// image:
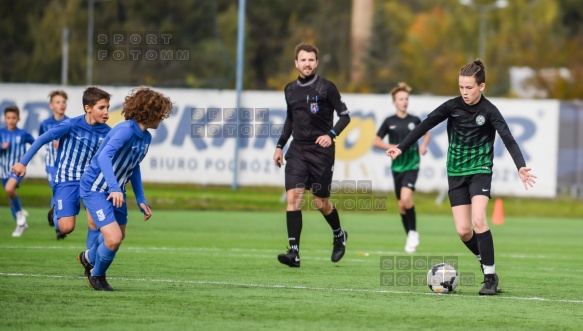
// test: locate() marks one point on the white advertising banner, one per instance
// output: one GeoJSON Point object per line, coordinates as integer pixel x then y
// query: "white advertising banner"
{"type": "Point", "coordinates": [197, 143]}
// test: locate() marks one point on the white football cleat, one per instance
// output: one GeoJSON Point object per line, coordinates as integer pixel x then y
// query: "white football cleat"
{"type": "Point", "coordinates": [20, 217]}
{"type": "Point", "coordinates": [20, 230]}
{"type": "Point", "coordinates": [412, 241]}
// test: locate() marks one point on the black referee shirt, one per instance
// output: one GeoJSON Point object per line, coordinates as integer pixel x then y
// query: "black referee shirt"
{"type": "Point", "coordinates": [310, 110]}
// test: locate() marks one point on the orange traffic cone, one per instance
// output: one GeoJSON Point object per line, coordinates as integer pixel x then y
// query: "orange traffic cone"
{"type": "Point", "coordinates": [498, 215]}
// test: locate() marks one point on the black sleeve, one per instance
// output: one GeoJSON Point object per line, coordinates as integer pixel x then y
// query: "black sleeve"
{"type": "Point", "coordinates": [383, 131]}
{"type": "Point", "coordinates": [336, 101]}
{"type": "Point", "coordinates": [437, 116]}
{"type": "Point", "coordinates": [342, 123]}
{"type": "Point", "coordinates": [287, 128]}
{"type": "Point", "coordinates": [500, 125]}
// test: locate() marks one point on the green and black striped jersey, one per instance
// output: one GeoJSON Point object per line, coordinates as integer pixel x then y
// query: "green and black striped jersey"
{"type": "Point", "coordinates": [471, 131]}
{"type": "Point", "coordinates": [397, 129]}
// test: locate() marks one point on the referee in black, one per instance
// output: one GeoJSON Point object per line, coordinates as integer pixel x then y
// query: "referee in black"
{"type": "Point", "coordinates": [311, 102]}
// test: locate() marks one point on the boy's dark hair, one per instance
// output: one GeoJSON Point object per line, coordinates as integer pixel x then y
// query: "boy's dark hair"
{"type": "Point", "coordinates": [475, 69]}
{"type": "Point", "coordinates": [306, 47]}
{"type": "Point", "coordinates": [53, 94]}
{"type": "Point", "coordinates": [401, 87]}
{"type": "Point", "coordinates": [145, 105]}
{"type": "Point", "coordinates": [12, 109]}
{"type": "Point", "coordinates": [94, 94]}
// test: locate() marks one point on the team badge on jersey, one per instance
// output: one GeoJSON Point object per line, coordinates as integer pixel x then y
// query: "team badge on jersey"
{"type": "Point", "coordinates": [480, 120]}
{"type": "Point", "coordinates": [411, 126]}
{"type": "Point", "coordinates": [314, 107]}
{"type": "Point", "coordinates": [18, 139]}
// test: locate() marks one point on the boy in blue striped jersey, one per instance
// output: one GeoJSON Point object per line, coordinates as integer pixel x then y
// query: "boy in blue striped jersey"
{"type": "Point", "coordinates": [79, 139]}
{"type": "Point", "coordinates": [14, 142]}
{"type": "Point", "coordinates": [116, 163]}
{"type": "Point", "coordinates": [58, 104]}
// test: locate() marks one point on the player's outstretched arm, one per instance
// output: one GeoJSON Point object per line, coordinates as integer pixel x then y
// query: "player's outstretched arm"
{"type": "Point", "coordinates": [394, 152]}
{"type": "Point", "coordinates": [526, 177]}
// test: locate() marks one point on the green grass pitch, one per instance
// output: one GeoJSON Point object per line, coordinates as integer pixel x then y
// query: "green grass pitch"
{"type": "Point", "coordinates": [212, 270]}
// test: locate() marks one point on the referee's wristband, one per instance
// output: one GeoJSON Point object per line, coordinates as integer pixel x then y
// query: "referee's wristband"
{"type": "Point", "coordinates": [332, 134]}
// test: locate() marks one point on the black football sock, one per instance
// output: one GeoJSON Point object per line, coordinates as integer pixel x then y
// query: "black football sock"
{"type": "Point", "coordinates": [334, 221]}
{"type": "Point", "coordinates": [405, 223]}
{"type": "Point", "coordinates": [472, 245]}
{"type": "Point", "coordinates": [486, 246]}
{"type": "Point", "coordinates": [411, 219]}
{"type": "Point", "coordinates": [294, 228]}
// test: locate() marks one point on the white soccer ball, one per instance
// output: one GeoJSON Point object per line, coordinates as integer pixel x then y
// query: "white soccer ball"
{"type": "Point", "coordinates": [442, 278]}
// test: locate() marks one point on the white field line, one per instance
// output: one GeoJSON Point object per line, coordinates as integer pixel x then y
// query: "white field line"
{"type": "Point", "coordinates": [270, 253]}
{"type": "Point", "coordinates": [291, 287]}
{"type": "Point", "coordinates": [265, 250]}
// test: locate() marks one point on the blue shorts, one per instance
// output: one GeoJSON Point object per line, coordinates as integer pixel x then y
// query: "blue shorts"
{"type": "Point", "coordinates": [51, 175]}
{"type": "Point", "coordinates": [66, 198]}
{"type": "Point", "coordinates": [12, 175]}
{"type": "Point", "coordinates": [102, 211]}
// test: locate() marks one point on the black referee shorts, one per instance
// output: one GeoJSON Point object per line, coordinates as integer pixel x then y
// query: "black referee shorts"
{"type": "Point", "coordinates": [311, 167]}
{"type": "Point", "coordinates": [404, 179]}
{"type": "Point", "coordinates": [463, 188]}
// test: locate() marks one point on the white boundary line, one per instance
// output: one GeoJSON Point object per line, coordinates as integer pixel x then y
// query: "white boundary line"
{"type": "Point", "coordinates": [290, 287]}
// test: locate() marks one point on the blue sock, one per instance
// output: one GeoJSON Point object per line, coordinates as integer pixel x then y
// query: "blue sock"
{"type": "Point", "coordinates": [92, 252]}
{"type": "Point", "coordinates": [16, 203]}
{"type": "Point", "coordinates": [15, 206]}
{"type": "Point", "coordinates": [104, 259]}
{"type": "Point", "coordinates": [92, 237]}
{"type": "Point", "coordinates": [12, 210]}
{"type": "Point", "coordinates": [56, 221]}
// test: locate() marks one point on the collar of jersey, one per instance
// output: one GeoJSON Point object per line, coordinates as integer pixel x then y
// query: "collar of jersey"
{"type": "Point", "coordinates": [308, 82]}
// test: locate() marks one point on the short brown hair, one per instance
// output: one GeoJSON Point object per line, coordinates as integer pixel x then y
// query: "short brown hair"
{"type": "Point", "coordinates": [475, 69]}
{"type": "Point", "coordinates": [94, 94]}
{"type": "Point", "coordinates": [401, 87]}
{"type": "Point", "coordinates": [53, 94]}
{"type": "Point", "coordinates": [12, 109]}
{"type": "Point", "coordinates": [306, 47]}
{"type": "Point", "coordinates": [145, 105]}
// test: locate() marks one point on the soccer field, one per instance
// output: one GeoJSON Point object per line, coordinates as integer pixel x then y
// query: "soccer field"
{"type": "Point", "coordinates": [218, 270]}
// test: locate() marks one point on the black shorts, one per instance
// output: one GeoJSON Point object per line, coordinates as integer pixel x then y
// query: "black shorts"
{"type": "Point", "coordinates": [310, 167]}
{"type": "Point", "coordinates": [463, 188]}
{"type": "Point", "coordinates": [404, 179]}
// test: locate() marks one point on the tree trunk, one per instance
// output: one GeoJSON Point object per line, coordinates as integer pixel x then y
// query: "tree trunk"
{"type": "Point", "coordinates": [360, 33]}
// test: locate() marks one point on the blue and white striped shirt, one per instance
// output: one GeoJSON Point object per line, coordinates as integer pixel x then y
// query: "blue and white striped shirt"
{"type": "Point", "coordinates": [17, 140]}
{"type": "Point", "coordinates": [78, 142]}
{"type": "Point", "coordinates": [118, 161]}
{"type": "Point", "coordinates": [51, 151]}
